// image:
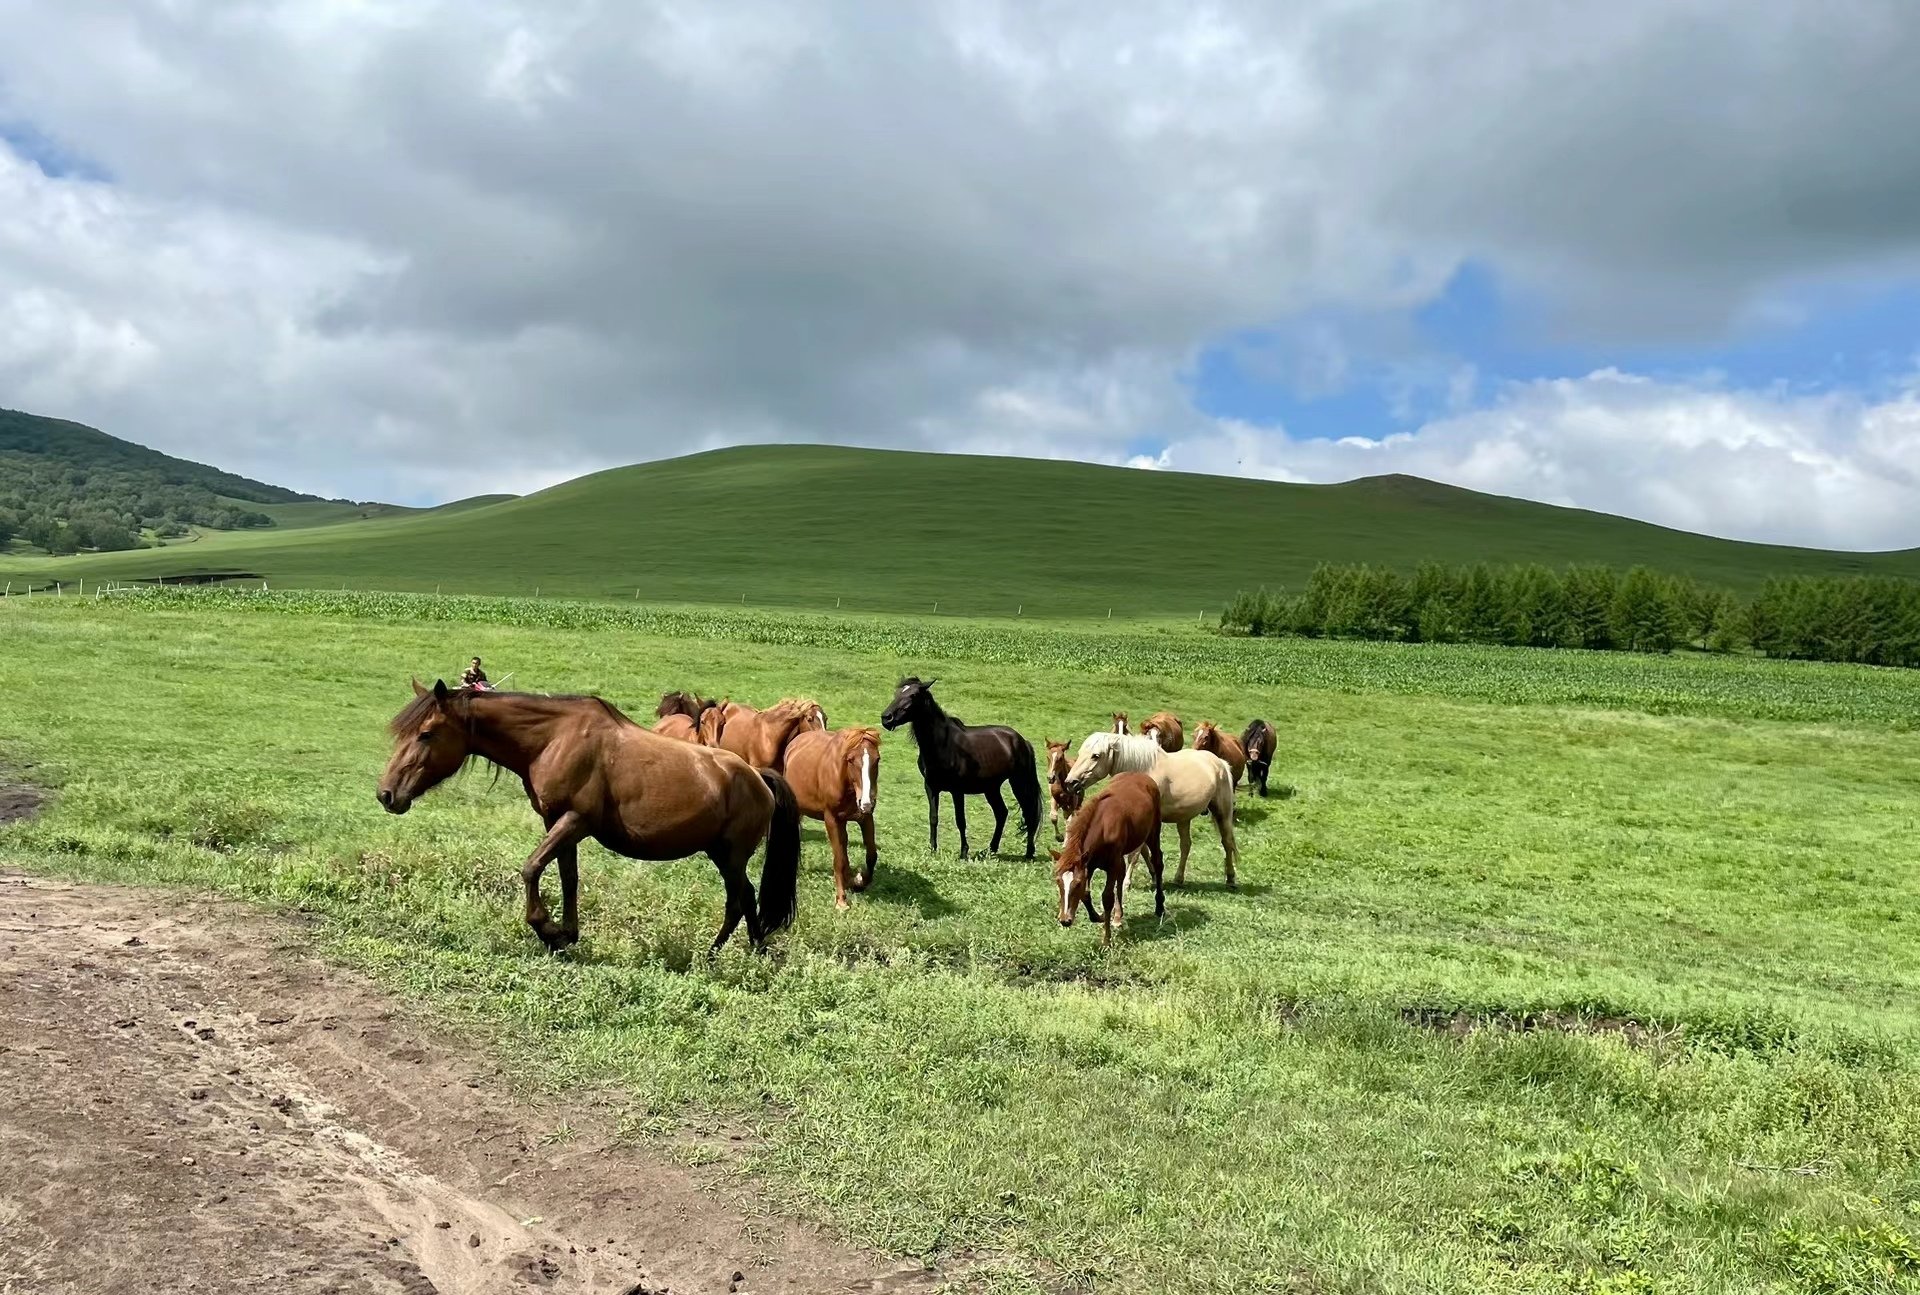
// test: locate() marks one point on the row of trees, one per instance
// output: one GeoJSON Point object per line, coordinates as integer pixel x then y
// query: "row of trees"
{"type": "Point", "coordinates": [62, 508]}
{"type": "Point", "coordinates": [1870, 619]}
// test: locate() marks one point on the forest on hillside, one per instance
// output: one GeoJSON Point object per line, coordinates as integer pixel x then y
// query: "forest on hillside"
{"type": "Point", "coordinates": [65, 487]}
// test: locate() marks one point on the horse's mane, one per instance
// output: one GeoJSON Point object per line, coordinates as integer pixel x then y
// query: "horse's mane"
{"type": "Point", "coordinates": [683, 703]}
{"type": "Point", "coordinates": [462, 700]}
{"type": "Point", "coordinates": [1134, 753]}
{"type": "Point", "coordinates": [854, 737]}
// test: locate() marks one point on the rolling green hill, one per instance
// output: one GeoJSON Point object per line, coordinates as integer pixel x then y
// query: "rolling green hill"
{"type": "Point", "coordinates": [66, 487]}
{"type": "Point", "coordinates": [823, 526]}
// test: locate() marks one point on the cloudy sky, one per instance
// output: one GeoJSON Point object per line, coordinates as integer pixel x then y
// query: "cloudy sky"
{"type": "Point", "coordinates": [1659, 258]}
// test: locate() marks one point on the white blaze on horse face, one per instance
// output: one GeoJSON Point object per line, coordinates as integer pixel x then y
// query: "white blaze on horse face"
{"type": "Point", "coordinates": [1066, 899]}
{"type": "Point", "coordinates": [866, 782]}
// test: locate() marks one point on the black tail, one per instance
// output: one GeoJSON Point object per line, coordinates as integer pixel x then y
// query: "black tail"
{"type": "Point", "coordinates": [1026, 785]}
{"type": "Point", "coordinates": [780, 869]}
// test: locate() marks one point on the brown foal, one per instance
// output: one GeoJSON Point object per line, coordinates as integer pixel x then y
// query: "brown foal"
{"type": "Point", "coordinates": [1120, 824]}
{"type": "Point", "coordinates": [836, 779]}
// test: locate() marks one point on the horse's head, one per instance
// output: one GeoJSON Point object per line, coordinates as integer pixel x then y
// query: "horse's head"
{"type": "Point", "coordinates": [713, 719]}
{"type": "Point", "coordinates": [1057, 762]}
{"type": "Point", "coordinates": [909, 698]}
{"type": "Point", "coordinates": [811, 714]}
{"type": "Point", "coordinates": [678, 703]}
{"type": "Point", "coordinates": [430, 742]}
{"type": "Point", "coordinates": [860, 749]}
{"type": "Point", "coordinates": [1070, 878]}
{"type": "Point", "coordinates": [1206, 737]}
{"type": "Point", "coordinates": [1099, 757]}
{"type": "Point", "coordinates": [1120, 722]}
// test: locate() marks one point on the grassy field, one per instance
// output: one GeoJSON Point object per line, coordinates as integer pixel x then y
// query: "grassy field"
{"type": "Point", "coordinates": [1561, 972]}
{"type": "Point", "coordinates": [820, 527]}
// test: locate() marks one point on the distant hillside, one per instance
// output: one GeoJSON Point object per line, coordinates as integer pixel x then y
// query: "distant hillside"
{"type": "Point", "coordinates": [64, 486]}
{"type": "Point", "coordinates": [886, 530]}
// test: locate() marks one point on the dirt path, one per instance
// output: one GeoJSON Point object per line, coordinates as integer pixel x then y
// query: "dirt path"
{"type": "Point", "coordinates": [189, 1102]}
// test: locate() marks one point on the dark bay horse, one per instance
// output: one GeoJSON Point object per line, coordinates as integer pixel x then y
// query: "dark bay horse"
{"type": "Point", "coordinates": [680, 714]}
{"type": "Point", "coordinates": [1121, 824]}
{"type": "Point", "coordinates": [964, 760]}
{"type": "Point", "coordinates": [1259, 742]}
{"type": "Point", "coordinates": [589, 771]}
{"type": "Point", "coordinates": [836, 779]}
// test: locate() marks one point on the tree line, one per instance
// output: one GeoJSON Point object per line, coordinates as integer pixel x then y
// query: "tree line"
{"type": "Point", "coordinates": [62, 508]}
{"type": "Point", "coordinates": [1870, 619]}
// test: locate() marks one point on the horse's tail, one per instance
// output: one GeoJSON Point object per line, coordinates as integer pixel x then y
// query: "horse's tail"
{"type": "Point", "coordinates": [1026, 782]}
{"type": "Point", "coordinates": [780, 870]}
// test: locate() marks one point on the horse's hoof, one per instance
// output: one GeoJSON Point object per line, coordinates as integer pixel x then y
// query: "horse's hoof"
{"type": "Point", "coordinates": [861, 880]}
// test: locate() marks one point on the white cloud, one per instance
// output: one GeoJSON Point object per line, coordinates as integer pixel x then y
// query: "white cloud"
{"type": "Point", "coordinates": [1828, 471]}
{"type": "Point", "coordinates": [408, 251]}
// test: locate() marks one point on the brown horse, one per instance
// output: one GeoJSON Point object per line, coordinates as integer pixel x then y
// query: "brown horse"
{"type": "Point", "coordinates": [589, 771]}
{"type": "Point", "coordinates": [1122, 823]}
{"type": "Point", "coordinates": [760, 737]}
{"type": "Point", "coordinates": [1120, 722]}
{"type": "Point", "coordinates": [1208, 737]}
{"type": "Point", "coordinates": [1066, 801]}
{"type": "Point", "coordinates": [836, 778]}
{"type": "Point", "coordinates": [680, 714]}
{"type": "Point", "coordinates": [1164, 728]}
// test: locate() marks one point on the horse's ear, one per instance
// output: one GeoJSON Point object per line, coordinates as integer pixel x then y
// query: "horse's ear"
{"type": "Point", "coordinates": [929, 683]}
{"type": "Point", "coordinates": [440, 690]}
{"type": "Point", "coordinates": [418, 691]}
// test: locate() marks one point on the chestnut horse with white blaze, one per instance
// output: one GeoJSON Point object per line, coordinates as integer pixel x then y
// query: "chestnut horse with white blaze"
{"type": "Point", "coordinates": [1120, 722]}
{"type": "Point", "coordinates": [836, 779]}
{"type": "Point", "coordinates": [679, 715]}
{"type": "Point", "coordinates": [1122, 824]}
{"type": "Point", "coordinates": [1191, 783]}
{"type": "Point", "coordinates": [1066, 801]}
{"type": "Point", "coordinates": [1208, 737]}
{"type": "Point", "coordinates": [590, 772]}
{"type": "Point", "coordinates": [760, 737]}
{"type": "Point", "coordinates": [1164, 727]}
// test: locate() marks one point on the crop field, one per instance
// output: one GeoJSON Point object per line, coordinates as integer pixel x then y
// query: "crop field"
{"type": "Point", "coordinates": [1558, 972]}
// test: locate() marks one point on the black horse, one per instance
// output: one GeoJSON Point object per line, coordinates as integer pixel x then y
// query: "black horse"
{"type": "Point", "coordinates": [960, 760]}
{"type": "Point", "coordinates": [1259, 741]}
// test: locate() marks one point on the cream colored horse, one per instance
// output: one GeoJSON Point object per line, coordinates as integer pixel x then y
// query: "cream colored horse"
{"type": "Point", "coordinates": [1191, 783]}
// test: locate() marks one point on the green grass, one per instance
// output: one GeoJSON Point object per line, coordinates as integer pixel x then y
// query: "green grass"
{"type": "Point", "coordinates": [1243, 1099]}
{"type": "Point", "coordinates": [820, 527]}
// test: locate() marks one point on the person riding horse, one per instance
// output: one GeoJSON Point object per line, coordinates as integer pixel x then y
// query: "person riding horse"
{"type": "Point", "coordinates": [474, 677]}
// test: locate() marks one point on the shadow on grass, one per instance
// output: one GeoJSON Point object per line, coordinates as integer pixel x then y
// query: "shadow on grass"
{"type": "Point", "coordinates": [1248, 888]}
{"type": "Point", "coordinates": [893, 884]}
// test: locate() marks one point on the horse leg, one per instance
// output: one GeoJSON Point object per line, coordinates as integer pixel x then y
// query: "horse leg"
{"type": "Point", "coordinates": [864, 879]}
{"type": "Point", "coordinates": [1111, 898]}
{"type": "Point", "coordinates": [732, 863]}
{"type": "Point", "coordinates": [1158, 865]}
{"type": "Point", "coordinates": [933, 819]}
{"type": "Point", "coordinates": [999, 807]}
{"type": "Point", "coordinates": [569, 861]}
{"type": "Point", "coordinates": [837, 838]}
{"type": "Point", "coordinates": [1223, 819]}
{"type": "Point", "coordinates": [560, 838]}
{"type": "Point", "coordinates": [1185, 829]}
{"type": "Point", "coordinates": [960, 820]}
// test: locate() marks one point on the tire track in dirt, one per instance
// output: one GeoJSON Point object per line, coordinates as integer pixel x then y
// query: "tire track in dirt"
{"type": "Point", "coordinates": [191, 1102]}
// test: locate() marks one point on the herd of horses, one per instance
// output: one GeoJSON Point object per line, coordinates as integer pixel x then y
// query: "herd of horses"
{"type": "Point", "coordinates": [723, 779]}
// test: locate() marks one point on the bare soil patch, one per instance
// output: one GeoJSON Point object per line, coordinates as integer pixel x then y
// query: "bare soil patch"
{"type": "Point", "coordinates": [189, 1101]}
